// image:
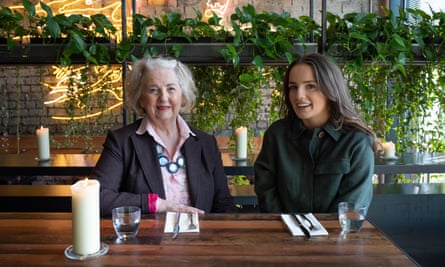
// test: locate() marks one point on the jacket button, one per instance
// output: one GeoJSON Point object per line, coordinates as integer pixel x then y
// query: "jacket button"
{"type": "Point", "coordinates": [320, 135]}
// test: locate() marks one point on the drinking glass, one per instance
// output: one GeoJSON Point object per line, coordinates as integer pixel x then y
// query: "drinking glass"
{"type": "Point", "coordinates": [126, 221]}
{"type": "Point", "coordinates": [351, 216]}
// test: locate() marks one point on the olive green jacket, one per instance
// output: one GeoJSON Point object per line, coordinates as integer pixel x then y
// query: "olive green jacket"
{"type": "Point", "coordinates": [298, 170]}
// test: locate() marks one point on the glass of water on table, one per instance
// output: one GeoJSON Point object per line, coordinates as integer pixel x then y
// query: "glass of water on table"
{"type": "Point", "coordinates": [351, 216]}
{"type": "Point", "coordinates": [126, 221]}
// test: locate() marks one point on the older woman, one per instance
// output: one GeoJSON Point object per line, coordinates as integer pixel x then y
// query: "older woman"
{"type": "Point", "coordinates": [159, 162]}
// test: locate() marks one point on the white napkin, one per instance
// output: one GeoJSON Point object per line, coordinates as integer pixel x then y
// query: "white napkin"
{"type": "Point", "coordinates": [184, 222]}
{"type": "Point", "coordinates": [295, 229]}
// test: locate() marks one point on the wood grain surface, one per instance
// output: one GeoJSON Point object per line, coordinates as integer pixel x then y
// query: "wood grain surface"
{"type": "Point", "coordinates": [39, 239]}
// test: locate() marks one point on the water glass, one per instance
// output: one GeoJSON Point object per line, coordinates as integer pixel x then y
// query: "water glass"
{"type": "Point", "coordinates": [126, 221]}
{"type": "Point", "coordinates": [351, 216]}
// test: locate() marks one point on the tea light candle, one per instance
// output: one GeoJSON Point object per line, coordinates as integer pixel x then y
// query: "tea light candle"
{"type": "Point", "coordinates": [85, 217]}
{"type": "Point", "coordinates": [389, 150]}
{"type": "Point", "coordinates": [43, 143]}
{"type": "Point", "coordinates": [241, 142]}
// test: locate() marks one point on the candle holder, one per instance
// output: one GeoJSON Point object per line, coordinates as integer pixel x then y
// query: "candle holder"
{"type": "Point", "coordinates": [69, 253]}
{"type": "Point", "coordinates": [239, 159]}
{"type": "Point", "coordinates": [42, 160]}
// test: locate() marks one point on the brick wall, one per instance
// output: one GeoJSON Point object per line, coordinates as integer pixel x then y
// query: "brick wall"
{"type": "Point", "coordinates": [24, 90]}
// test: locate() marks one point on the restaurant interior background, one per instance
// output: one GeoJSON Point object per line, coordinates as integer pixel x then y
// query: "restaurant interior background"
{"type": "Point", "coordinates": [398, 90]}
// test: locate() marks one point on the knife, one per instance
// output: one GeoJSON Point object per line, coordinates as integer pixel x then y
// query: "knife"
{"type": "Point", "coordinates": [303, 228]}
{"type": "Point", "coordinates": [176, 226]}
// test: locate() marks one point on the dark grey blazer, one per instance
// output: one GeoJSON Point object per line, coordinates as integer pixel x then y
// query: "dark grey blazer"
{"type": "Point", "coordinates": [128, 169]}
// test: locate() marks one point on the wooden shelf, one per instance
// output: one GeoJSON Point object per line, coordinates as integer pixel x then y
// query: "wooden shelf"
{"type": "Point", "coordinates": [193, 53]}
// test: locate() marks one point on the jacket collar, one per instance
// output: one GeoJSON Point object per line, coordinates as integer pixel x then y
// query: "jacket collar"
{"type": "Point", "coordinates": [146, 126]}
{"type": "Point", "coordinates": [298, 128]}
{"type": "Point", "coordinates": [147, 157]}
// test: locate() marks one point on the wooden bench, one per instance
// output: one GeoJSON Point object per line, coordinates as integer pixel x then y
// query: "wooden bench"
{"type": "Point", "coordinates": [57, 198]}
{"type": "Point", "coordinates": [35, 198]}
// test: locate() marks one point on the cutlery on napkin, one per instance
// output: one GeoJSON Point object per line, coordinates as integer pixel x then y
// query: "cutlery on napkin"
{"type": "Point", "coordinates": [176, 227]}
{"type": "Point", "coordinates": [300, 222]}
{"type": "Point", "coordinates": [187, 223]}
{"type": "Point", "coordinates": [295, 227]}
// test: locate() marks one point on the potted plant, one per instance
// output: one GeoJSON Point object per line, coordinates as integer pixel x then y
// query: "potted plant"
{"type": "Point", "coordinates": [428, 33]}
{"type": "Point", "coordinates": [273, 36]}
{"type": "Point", "coordinates": [11, 27]}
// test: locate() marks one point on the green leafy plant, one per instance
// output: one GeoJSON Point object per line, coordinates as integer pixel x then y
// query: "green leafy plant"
{"type": "Point", "coordinates": [429, 33]}
{"type": "Point", "coordinates": [393, 92]}
{"type": "Point", "coordinates": [393, 64]}
{"type": "Point", "coordinates": [273, 35]}
{"type": "Point", "coordinates": [239, 180]}
{"type": "Point", "coordinates": [12, 26]}
{"type": "Point", "coordinates": [82, 34]}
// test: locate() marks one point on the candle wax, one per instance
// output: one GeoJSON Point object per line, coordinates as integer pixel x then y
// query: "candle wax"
{"type": "Point", "coordinates": [241, 142]}
{"type": "Point", "coordinates": [85, 217]}
{"type": "Point", "coordinates": [43, 143]}
{"type": "Point", "coordinates": [389, 150]}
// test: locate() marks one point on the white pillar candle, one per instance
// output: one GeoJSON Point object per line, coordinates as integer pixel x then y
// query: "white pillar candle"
{"type": "Point", "coordinates": [85, 217]}
{"type": "Point", "coordinates": [241, 142]}
{"type": "Point", "coordinates": [43, 143]}
{"type": "Point", "coordinates": [389, 150]}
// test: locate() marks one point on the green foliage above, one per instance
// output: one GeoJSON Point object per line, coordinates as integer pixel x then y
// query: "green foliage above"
{"type": "Point", "coordinates": [394, 65]}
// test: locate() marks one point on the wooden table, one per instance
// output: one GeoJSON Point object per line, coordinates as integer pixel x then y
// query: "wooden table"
{"type": "Point", "coordinates": [224, 240]}
{"type": "Point", "coordinates": [82, 164]}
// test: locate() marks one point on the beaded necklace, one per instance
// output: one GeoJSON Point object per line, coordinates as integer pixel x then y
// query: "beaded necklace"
{"type": "Point", "coordinates": [172, 166]}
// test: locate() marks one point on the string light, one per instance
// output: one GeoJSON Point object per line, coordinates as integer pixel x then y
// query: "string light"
{"type": "Point", "coordinates": [78, 7]}
{"type": "Point", "coordinates": [86, 116]}
{"type": "Point", "coordinates": [63, 90]}
{"type": "Point", "coordinates": [217, 7]}
{"type": "Point", "coordinates": [110, 79]}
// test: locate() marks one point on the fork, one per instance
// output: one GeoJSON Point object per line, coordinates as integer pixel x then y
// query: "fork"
{"type": "Point", "coordinates": [192, 225]}
{"type": "Point", "coordinates": [306, 219]}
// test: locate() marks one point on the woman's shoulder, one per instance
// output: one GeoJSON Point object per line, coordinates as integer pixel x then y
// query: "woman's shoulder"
{"type": "Point", "coordinates": [126, 130]}
{"type": "Point", "coordinates": [279, 126]}
{"type": "Point", "coordinates": [359, 135]}
{"type": "Point", "coordinates": [356, 137]}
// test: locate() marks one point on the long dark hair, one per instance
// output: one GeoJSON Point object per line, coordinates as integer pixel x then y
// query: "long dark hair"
{"type": "Point", "coordinates": [342, 114]}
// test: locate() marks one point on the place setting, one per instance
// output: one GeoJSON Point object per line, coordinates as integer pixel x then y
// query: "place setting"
{"type": "Point", "coordinates": [304, 224]}
{"type": "Point", "coordinates": [180, 222]}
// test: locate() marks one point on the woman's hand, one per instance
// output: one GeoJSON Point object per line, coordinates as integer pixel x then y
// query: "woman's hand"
{"type": "Point", "coordinates": [163, 205]}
